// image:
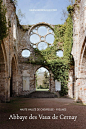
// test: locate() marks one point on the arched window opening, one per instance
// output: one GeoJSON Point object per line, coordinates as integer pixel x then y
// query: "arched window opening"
{"type": "Point", "coordinates": [14, 30]}
{"type": "Point", "coordinates": [42, 79]}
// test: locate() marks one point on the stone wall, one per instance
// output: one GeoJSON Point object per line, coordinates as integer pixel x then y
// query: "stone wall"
{"type": "Point", "coordinates": [71, 83]}
{"type": "Point", "coordinates": [78, 50]}
{"type": "Point", "coordinates": [27, 70]}
{"type": "Point", "coordinates": [17, 76]}
{"type": "Point", "coordinates": [14, 71]}
{"type": "Point", "coordinates": [8, 50]}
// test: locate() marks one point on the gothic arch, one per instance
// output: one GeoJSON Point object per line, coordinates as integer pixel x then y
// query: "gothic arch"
{"type": "Point", "coordinates": [82, 58]}
{"type": "Point", "coordinates": [38, 24]}
{"type": "Point", "coordinates": [13, 79]}
{"type": "Point", "coordinates": [81, 80]}
{"type": "Point", "coordinates": [51, 80]}
{"type": "Point", "coordinates": [3, 72]}
{"type": "Point", "coordinates": [38, 67]}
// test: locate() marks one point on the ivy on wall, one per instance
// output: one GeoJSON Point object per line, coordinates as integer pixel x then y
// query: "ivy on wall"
{"type": "Point", "coordinates": [68, 40]}
{"type": "Point", "coordinates": [3, 26]}
{"type": "Point", "coordinates": [58, 65]}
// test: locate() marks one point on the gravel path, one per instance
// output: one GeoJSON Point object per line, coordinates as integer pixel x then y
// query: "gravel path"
{"type": "Point", "coordinates": [59, 113]}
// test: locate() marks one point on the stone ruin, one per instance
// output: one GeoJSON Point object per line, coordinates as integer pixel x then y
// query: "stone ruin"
{"type": "Point", "coordinates": [18, 77]}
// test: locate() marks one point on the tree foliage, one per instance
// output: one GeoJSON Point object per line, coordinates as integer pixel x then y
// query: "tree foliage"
{"type": "Point", "coordinates": [46, 80]}
{"type": "Point", "coordinates": [58, 65]}
{"type": "Point", "coordinates": [3, 26]}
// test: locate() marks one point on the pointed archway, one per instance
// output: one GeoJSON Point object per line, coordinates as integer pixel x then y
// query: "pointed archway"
{"type": "Point", "coordinates": [80, 87]}
{"type": "Point", "coordinates": [13, 79]}
{"type": "Point", "coordinates": [2, 74]}
{"type": "Point", "coordinates": [42, 79]}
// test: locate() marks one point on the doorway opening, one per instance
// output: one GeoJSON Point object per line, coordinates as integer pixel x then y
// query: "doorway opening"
{"type": "Point", "coordinates": [42, 79]}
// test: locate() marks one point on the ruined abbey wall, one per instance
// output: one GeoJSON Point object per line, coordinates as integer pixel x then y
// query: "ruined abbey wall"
{"type": "Point", "coordinates": [15, 74]}
{"type": "Point", "coordinates": [15, 71]}
{"type": "Point", "coordinates": [27, 71]}
{"type": "Point", "coordinates": [79, 52]}
{"type": "Point", "coordinates": [9, 60]}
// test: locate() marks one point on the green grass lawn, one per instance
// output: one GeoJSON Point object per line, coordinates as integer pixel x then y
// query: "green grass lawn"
{"type": "Point", "coordinates": [42, 89]}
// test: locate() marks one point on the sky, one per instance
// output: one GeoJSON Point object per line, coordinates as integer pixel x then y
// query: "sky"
{"type": "Point", "coordinates": [42, 70]}
{"type": "Point", "coordinates": [52, 14]}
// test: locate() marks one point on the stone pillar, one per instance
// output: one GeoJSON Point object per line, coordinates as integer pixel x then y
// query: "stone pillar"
{"type": "Point", "coordinates": [52, 84]}
{"type": "Point", "coordinates": [7, 90]}
{"type": "Point", "coordinates": [80, 90]}
{"type": "Point", "coordinates": [71, 84]}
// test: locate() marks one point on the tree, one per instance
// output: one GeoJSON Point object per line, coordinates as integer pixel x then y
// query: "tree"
{"type": "Point", "coordinates": [20, 15]}
{"type": "Point", "coordinates": [72, 1]}
{"type": "Point", "coordinates": [14, 1]}
{"type": "Point", "coordinates": [46, 80]}
{"type": "Point", "coordinates": [65, 12]}
{"type": "Point", "coordinates": [3, 23]}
